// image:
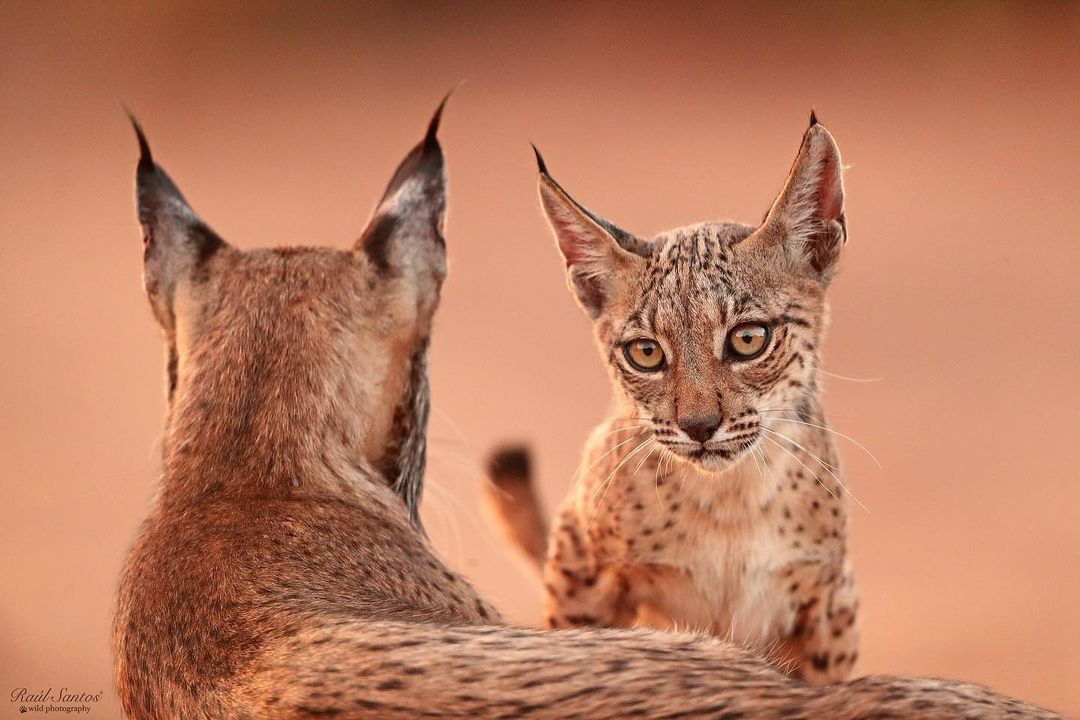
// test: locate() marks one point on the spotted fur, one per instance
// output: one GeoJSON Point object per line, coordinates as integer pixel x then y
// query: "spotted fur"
{"type": "Point", "coordinates": [712, 499]}
{"type": "Point", "coordinates": [281, 573]}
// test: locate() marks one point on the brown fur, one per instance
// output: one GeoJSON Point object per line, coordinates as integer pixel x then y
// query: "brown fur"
{"type": "Point", "coordinates": [281, 573]}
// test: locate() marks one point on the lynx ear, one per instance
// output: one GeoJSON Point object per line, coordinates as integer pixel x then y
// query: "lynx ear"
{"type": "Point", "coordinates": [808, 216]}
{"type": "Point", "coordinates": [176, 242]}
{"type": "Point", "coordinates": [404, 236]}
{"type": "Point", "coordinates": [597, 253]}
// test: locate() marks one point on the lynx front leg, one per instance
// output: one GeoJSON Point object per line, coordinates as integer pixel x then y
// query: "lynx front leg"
{"type": "Point", "coordinates": [579, 589]}
{"type": "Point", "coordinates": [824, 643]}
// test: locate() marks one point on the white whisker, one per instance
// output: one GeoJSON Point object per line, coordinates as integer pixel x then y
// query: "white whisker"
{"type": "Point", "coordinates": [823, 464]}
{"type": "Point", "coordinates": [582, 473]}
{"type": "Point", "coordinates": [829, 430]}
{"type": "Point", "coordinates": [646, 456]}
{"type": "Point", "coordinates": [665, 455]}
{"type": "Point", "coordinates": [796, 459]}
{"type": "Point", "coordinates": [625, 428]}
{"type": "Point", "coordinates": [607, 482]}
{"type": "Point", "coordinates": [453, 426]}
{"type": "Point", "coordinates": [849, 379]}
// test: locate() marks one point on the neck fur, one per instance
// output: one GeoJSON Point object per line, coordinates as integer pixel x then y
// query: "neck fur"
{"type": "Point", "coordinates": [241, 428]}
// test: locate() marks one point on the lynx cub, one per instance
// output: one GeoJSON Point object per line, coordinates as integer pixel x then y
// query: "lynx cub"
{"type": "Point", "coordinates": [711, 499]}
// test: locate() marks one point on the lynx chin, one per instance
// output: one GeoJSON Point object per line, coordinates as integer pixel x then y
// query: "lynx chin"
{"type": "Point", "coordinates": [711, 499]}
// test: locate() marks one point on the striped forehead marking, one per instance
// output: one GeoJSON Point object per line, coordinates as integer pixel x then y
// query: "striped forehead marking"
{"type": "Point", "coordinates": [691, 265]}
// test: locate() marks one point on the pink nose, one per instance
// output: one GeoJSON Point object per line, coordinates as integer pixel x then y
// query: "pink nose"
{"type": "Point", "coordinates": [700, 429]}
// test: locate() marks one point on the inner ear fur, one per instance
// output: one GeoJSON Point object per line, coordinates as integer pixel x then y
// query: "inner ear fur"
{"type": "Point", "coordinates": [598, 254]}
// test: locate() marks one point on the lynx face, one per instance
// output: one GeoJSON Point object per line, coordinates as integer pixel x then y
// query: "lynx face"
{"type": "Point", "coordinates": [712, 330]}
{"type": "Point", "coordinates": [282, 332]}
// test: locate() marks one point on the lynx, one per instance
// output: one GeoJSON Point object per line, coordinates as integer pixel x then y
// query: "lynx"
{"type": "Point", "coordinates": [711, 499]}
{"type": "Point", "coordinates": [283, 571]}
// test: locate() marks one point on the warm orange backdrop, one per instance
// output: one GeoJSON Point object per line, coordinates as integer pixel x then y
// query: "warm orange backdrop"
{"type": "Point", "coordinates": [961, 126]}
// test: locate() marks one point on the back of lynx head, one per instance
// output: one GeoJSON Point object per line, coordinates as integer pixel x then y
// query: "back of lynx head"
{"type": "Point", "coordinates": [711, 330]}
{"type": "Point", "coordinates": [266, 347]}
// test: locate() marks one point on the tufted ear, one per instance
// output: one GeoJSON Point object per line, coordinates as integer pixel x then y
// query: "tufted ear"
{"type": "Point", "coordinates": [807, 217]}
{"type": "Point", "coordinates": [403, 243]}
{"type": "Point", "coordinates": [176, 242]}
{"type": "Point", "coordinates": [404, 236]}
{"type": "Point", "coordinates": [597, 253]}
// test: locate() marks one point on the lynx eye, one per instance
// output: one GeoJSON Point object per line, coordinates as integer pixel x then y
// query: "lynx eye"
{"type": "Point", "coordinates": [644, 355]}
{"type": "Point", "coordinates": [748, 340]}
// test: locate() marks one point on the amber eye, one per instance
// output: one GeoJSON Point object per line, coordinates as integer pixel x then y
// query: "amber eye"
{"type": "Point", "coordinates": [748, 340]}
{"type": "Point", "coordinates": [644, 355]}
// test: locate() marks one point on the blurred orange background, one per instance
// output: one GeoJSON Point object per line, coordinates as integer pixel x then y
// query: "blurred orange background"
{"type": "Point", "coordinates": [958, 294]}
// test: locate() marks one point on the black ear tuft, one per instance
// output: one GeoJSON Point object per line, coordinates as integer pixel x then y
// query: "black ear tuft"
{"type": "Point", "coordinates": [813, 118]}
{"type": "Point", "coordinates": [145, 158]}
{"type": "Point", "coordinates": [431, 137]}
{"type": "Point", "coordinates": [540, 164]}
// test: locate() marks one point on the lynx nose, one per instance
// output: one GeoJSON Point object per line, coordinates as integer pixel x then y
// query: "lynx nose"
{"type": "Point", "coordinates": [700, 428]}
